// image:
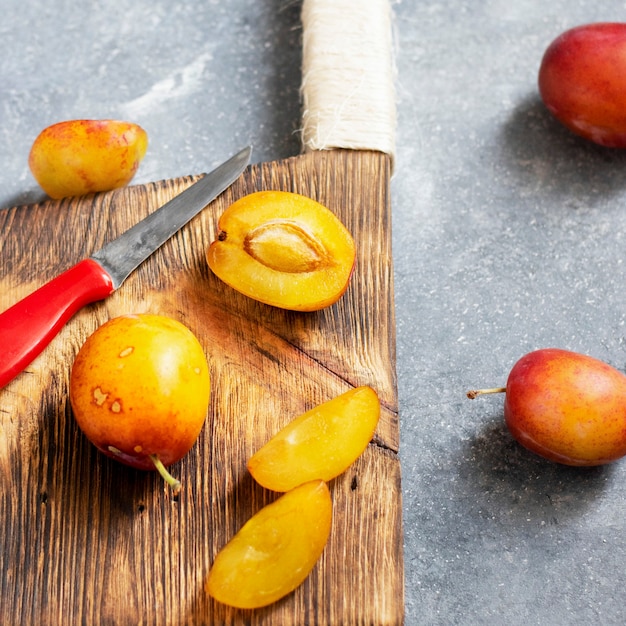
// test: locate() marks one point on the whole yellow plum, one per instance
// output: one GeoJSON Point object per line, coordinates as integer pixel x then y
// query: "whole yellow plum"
{"type": "Point", "coordinates": [139, 390]}
{"type": "Point", "coordinates": [77, 157]}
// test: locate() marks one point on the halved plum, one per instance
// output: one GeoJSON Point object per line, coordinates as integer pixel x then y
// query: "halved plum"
{"type": "Point", "coordinates": [283, 249]}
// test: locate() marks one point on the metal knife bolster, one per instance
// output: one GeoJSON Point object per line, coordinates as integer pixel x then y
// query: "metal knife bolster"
{"type": "Point", "coordinates": [124, 254]}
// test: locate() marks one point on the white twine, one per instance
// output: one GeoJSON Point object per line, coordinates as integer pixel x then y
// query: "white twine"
{"type": "Point", "coordinates": [347, 75]}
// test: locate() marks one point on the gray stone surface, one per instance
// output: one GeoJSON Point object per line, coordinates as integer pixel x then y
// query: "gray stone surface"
{"type": "Point", "coordinates": [508, 236]}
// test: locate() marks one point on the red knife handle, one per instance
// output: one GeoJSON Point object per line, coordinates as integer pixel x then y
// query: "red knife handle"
{"type": "Point", "coordinates": [30, 325]}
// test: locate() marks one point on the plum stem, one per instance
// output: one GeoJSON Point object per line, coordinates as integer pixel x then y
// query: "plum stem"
{"type": "Point", "coordinates": [174, 483]}
{"type": "Point", "coordinates": [480, 392]}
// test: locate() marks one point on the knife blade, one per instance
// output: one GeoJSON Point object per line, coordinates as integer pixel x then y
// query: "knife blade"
{"type": "Point", "coordinates": [27, 327]}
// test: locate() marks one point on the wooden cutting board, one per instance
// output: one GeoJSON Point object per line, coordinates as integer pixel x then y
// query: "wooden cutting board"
{"type": "Point", "coordinates": [90, 541]}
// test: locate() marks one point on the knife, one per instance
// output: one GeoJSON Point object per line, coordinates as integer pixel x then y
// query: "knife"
{"type": "Point", "coordinates": [29, 326]}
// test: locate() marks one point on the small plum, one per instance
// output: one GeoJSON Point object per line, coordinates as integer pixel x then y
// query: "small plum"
{"type": "Point", "coordinates": [139, 390]}
{"type": "Point", "coordinates": [567, 407]}
{"type": "Point", "coordinates": [77, 157]}
{"type": "Point", "coordinates": [582, 81]}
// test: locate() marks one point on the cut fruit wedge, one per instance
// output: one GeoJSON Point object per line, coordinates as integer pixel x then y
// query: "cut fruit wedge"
{"type": "Point", "coordinates": [275, 550]}
{"type": "Point", "coordinates": [319, 444]}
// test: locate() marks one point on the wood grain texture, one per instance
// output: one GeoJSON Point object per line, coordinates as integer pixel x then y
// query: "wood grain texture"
{"type": "Point", "coordinates": [89, 541]}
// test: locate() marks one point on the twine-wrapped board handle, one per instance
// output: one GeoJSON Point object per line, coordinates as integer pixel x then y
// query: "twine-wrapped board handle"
{"type": "Point", "coordinates": [348, 75]}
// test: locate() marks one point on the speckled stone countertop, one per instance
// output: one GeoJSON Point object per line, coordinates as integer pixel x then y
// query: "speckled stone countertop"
{"type": "Point", "coordinates": [509, 235]}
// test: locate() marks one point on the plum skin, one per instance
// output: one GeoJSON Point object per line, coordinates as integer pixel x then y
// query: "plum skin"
{"type": "Point", "coordinates": [140, 386]}
{"type": "Point", "coordinates": [582, 82]}
{"type": "Point", "coordinates": [77, 157]}
{"type": "Point", "coordinates": [567, 407]}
